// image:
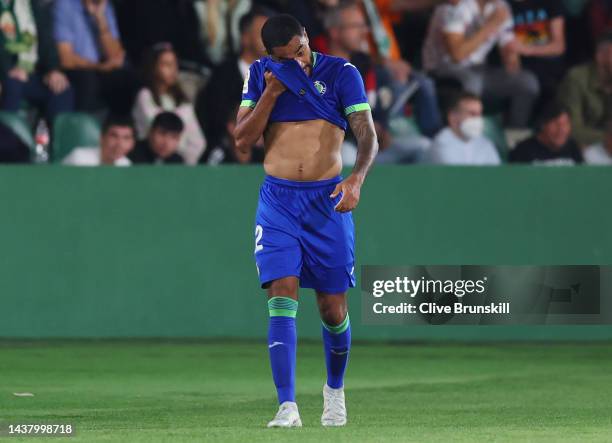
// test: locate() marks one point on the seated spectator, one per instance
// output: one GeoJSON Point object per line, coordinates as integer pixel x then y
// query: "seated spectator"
{"type": "Point", "coordinates": [587, 93]}
{"type": "Point", "coordinates": [29, 67]}
{"type": "Point", "coordinates": [462, 141]}
{"type": "Point", "coordinates": [224, 88]}
{"type": "Point", "coordinates": [600, 153]}
{"type": "Point", "coordinates": [539, 27]}
{"type": "Point", "coordinates": [162, 143]}
{"type": "Point", "coordinates": [427, 113]}
{"type": "Point", "coordinates": [91, 53]}
{"type": "Point", "coordinates": [162, 92]}
{"type": "Point", "coordinates": [348, 31]}
{"type": "Point", "coordinates": [553, 143]}
{"type": "Point", "coordinates": [225, 151]}
{"type": "Point", "coordinates": [461, 35]}
{"type": "Point", "coordinates": [116, 142]}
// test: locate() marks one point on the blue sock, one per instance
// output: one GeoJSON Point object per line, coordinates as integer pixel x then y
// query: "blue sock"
{"type": "Point", "coordinates": [337, 343]}
{"type": "Point", "coordinates": [282, 344]}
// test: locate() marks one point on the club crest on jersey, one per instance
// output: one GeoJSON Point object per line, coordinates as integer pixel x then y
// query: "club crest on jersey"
{"type": "Point", "coordinates": [321, 87]}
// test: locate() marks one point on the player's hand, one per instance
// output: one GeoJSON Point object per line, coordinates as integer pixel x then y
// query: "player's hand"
{"type": "Point", "coordinates": [351, 189]}
{"type": "Point", "coordinates": [274, 85]}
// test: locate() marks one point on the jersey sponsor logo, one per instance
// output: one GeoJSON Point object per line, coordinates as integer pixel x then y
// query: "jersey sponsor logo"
{"type": "Point", "coordinates": [320, 86]}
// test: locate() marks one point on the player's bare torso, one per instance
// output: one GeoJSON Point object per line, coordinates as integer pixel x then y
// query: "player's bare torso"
{"type": "Point", "coordinates": [305, 151]}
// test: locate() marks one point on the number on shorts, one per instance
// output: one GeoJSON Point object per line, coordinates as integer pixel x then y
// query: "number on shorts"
{"type": "Point", "coordinates": [258, 235]}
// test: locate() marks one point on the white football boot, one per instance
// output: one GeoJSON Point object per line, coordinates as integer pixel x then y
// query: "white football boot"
{"type": "Point", "coordinates": [334, 409]}
{"type": "Point", "coordinates": [287, 416]}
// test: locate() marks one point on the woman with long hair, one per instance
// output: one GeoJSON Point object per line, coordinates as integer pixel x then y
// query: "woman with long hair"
{"type": "Point", "coordinates": [162, 92]}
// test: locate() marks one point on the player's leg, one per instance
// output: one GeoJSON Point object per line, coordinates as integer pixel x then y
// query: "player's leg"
{"type": "Point", "coordinates": [278, 257]}
{"type": "Point", "coordinates": [336, 330]}
{"type": "Point", "coordinates": [282, 345]}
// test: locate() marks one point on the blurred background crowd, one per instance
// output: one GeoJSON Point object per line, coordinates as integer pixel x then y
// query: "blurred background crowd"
{"type": "Point", "coordinates": [472, 82]}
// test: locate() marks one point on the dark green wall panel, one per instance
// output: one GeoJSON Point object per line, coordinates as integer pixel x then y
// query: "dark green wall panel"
{"type": "Point", "coordinates": [166, 252]}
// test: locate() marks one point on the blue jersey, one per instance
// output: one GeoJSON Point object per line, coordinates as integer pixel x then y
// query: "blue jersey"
{"type": "Point", "coordinates": [337, 82]}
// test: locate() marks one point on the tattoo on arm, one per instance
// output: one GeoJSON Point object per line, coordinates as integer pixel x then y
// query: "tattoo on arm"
{"type": "Point", "coordinates": [362, 126]}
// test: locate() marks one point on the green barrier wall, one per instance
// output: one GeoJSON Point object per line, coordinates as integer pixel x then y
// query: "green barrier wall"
{"type": "Point", "coordinates": [167, 252]}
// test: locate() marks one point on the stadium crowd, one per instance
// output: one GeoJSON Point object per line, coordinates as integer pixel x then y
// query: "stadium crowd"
{"type": "Point", "coordinates": [457, 82]}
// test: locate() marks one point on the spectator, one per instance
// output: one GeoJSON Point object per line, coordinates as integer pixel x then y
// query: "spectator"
{"type": "Point", "coordinates": [29, 68]}
{"type": "Point", "coordinates": [600, 153]}
{"type": "Point", "coordinates": [427, 114]}
{"type": "Point", "coordinates": [162, 92]}
{"type": "Point", "coordinates": [162, 143]}
{"type": "Point", "coordinates": [116, 142]}
{"type": "Point", "coordinates": [462, 141]}
{"type": "Point", "coordinates": [553, 143]}
{"type": "Point", "coordinates": [225, 86]}
{"type": "Point", "coordinates": [173, 21]}
{"type": "Point", "coordinates": [348, 31]}
{"type": "Point", "coordinates": [587, 93]}
{"type": "Point", "coordinates": [539, 26]}
{"type": "Point", "coordinates": [461, 35]}
{"type": "Point", "coordinates": [225, 151]}
{"type": "Point", "coordinates": [91, 53]}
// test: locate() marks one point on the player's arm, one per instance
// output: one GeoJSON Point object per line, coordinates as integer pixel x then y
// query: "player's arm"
{"type": "Point", "coordinates": [354, 101]}
{"type": "Point", "coordinates": [362, 126]}
{"type": "Point", "coordinates": [251, 122]}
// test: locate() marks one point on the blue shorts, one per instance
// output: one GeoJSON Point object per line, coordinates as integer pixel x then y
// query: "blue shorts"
{"type": "Point", "coordinates": [298, 233]}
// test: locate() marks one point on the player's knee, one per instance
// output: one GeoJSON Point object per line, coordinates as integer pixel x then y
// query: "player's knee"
{"type": "Point", "coordinates": [333, 314]}
{"type": "Point", "coordinates": [284, 287]}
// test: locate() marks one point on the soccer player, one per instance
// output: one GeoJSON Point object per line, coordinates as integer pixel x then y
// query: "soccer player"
{"type": "Point", "coordinates": [300, 101]}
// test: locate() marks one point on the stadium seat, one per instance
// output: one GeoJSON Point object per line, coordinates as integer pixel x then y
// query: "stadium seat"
{"type": "Point", "coordinates": [19, 126]}
{"type": "Point", "coordinates": [72, 130]}
{"type": "Point", "coordinates": [494, 131]}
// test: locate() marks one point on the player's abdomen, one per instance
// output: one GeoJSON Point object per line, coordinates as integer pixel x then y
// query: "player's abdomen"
{"type": "Point", "coordinates": [303, 151]}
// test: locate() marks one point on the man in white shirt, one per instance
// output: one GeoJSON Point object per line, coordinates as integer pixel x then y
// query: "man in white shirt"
{"type": "Point", "coordinates": [117, 140]}
{"type": "Point", "coordinates": [600, 153]}
{"type": "Point", "coordinates": [461, 35]}
{"type": "Point", "coordinates": [462, 142]}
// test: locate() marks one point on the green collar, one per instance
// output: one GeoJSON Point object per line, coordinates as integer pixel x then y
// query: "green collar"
{"type": "Point", "coordinates": [314, 58]}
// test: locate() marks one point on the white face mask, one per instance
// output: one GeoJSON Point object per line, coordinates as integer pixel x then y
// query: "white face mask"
{"type": "Point", "coordinates": [472, 127]}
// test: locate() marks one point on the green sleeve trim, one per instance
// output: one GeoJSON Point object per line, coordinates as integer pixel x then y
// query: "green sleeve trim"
{"type": "Point", "coordinates": [248, 103]}
{"type": "Point", "coordinates": [356, 108]}
{"type": "Point", "coordinates": [340, 328]}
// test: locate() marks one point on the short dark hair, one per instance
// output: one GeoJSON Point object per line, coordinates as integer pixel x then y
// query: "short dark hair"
{"type": "Point", "coordinates": [168, 122]}
{"type": "Point", "coordinates": [549, 112]}
{"type": "Point", "coordinates": [124, 121]}
{"type": "Point", "coordinates": [456, 99]}
{"type": "Point", "coordinates": [279, 30]}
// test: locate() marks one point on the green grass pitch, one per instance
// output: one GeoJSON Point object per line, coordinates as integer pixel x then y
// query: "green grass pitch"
{"type": "Point", "coordinates": [135, 391]}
